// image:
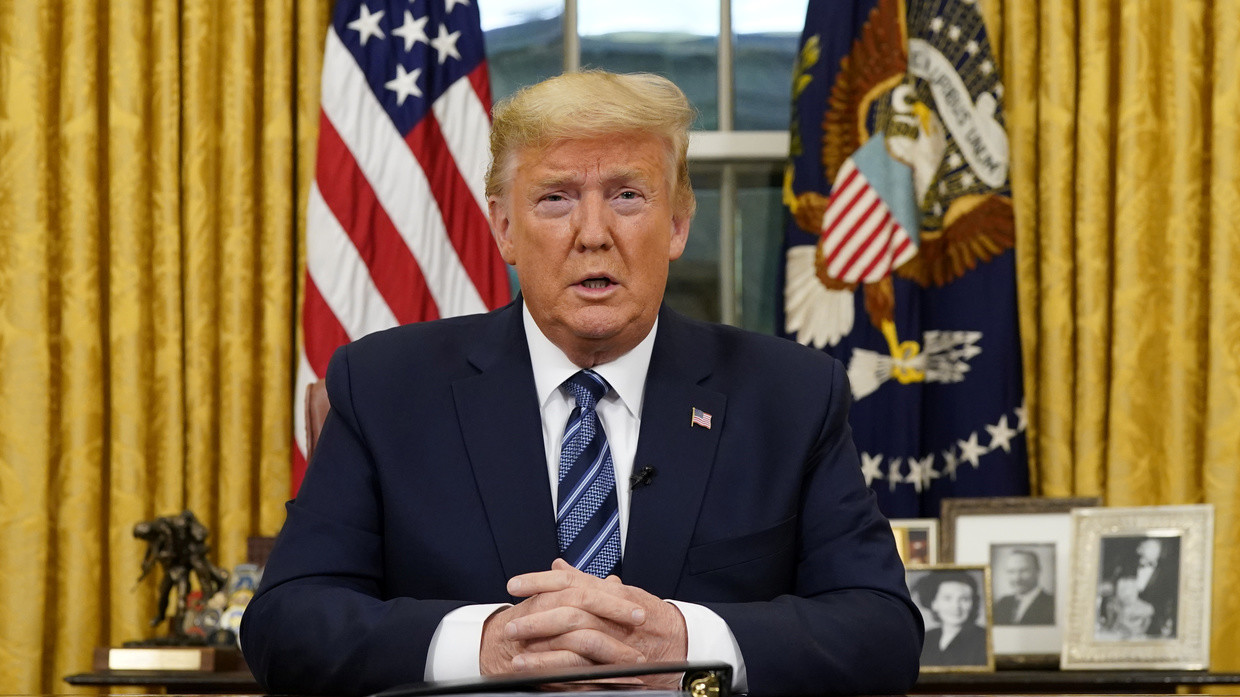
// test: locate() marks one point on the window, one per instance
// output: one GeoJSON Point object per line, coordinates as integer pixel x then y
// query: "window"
{"type": "Point", "coordinates": [733, 59]}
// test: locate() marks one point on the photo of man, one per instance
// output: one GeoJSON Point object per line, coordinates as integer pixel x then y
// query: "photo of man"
{"type": "Point", "coordinates": [1022, 576]}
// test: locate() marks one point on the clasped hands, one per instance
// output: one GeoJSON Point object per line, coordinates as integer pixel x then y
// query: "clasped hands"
{"type": "Point", "coordinates": [570, 618]}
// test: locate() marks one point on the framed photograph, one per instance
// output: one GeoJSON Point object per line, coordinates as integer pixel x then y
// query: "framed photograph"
{"type": "Point", "coordinates": [917, 539]}
{"type": "Point", "coordinates": [1141, 596]}
{"type": "Point", "coordinates": [954, 599]}
{"type": "Point", "coordinates": [1027, 542]}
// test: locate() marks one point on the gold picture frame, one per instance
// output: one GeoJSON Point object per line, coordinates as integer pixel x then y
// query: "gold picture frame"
{"type": "Point", "coordinates": [917, 539]}
{"type": "Point", "coordinates": [936, 589]}
{"type": "Point", "coordinates": [1028, 544]}
{"type": "Point", "coordinates": [1141, 596]}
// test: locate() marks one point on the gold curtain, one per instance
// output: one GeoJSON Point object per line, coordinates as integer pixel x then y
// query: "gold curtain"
{"type": "Point", "coordinates": [1126, 180]}
{"type": "Point", "coordinates": [154, 156]}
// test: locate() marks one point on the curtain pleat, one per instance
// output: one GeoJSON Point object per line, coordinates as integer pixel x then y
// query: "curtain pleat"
{"type": "Point", "coordinates": [149, 214]}
{"type": "Point", "coordinates": [1221, 425]}
{"type": "Point", "coordinates": [1127, 196]}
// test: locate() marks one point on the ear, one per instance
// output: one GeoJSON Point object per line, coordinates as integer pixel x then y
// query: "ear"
{"type": "Point", "coordinates": [501, 228]}
{"type": "Point", "coordinates": [680, 236]}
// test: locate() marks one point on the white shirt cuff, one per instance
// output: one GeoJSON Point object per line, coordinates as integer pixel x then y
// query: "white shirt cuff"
{"type": "Point", "coordinates": [710, 639]}
{"type": "Point", "coordinates": [453, 654]}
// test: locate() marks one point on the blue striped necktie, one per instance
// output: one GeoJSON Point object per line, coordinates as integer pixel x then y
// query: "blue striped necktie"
{"type": "Point", "coordinates": [587, 519]}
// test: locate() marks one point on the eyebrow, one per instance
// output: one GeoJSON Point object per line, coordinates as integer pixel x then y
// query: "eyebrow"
{"type": "Point", "coordinates": [625, 174]}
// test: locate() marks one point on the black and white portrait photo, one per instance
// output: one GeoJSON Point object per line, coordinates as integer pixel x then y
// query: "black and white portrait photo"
{"type": "Point", "coordinates": [1138, 588]}
{"type": "Point", "coordinates": [953, 601]}
{"type": "Point", "coordinates": [1024, 584]}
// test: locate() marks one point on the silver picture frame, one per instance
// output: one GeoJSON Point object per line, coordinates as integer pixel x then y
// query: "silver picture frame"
{"type": "Point", "coordinates": [1141, 588]}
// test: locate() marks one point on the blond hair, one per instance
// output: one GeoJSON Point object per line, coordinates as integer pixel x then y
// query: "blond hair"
{"type": "Point", "coordinates": [589, 104]}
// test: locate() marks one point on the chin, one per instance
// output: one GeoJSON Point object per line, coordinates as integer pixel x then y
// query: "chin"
{"type": "Point", "coordinates": [599, 323]}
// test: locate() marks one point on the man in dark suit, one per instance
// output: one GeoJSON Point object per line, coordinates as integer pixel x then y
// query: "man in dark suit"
{"type": "Point", "coordinates": [725, 514]}
{"type": "Point", "coordinates": [1157, 579]}
{"type": "Point", "coordinates": [1027, 603]}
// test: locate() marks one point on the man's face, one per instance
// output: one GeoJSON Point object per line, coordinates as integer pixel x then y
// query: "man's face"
{"type": "Point", "coordinates": [1148, 553]}
{"type": "Point", "coordinates": [1020, 573]}
{"type": "Point", "coordinates": [589, 226]}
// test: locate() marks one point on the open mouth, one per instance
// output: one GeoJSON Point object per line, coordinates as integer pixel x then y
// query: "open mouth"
{"type": "Point", "coordinates": [596, 283]}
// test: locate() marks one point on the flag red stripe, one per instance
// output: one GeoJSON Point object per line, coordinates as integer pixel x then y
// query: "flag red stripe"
{"type": "Point", "coordinates": [861, 221]}
{"type": "Point", "coordinates": [348, 194]}
{"type": "Point", "coordinates": [884, 255]}
{"type": "Point", "coordinates": [869, 241]}
{"type": "Point", "coordinates": [480, 78]}
{"type": "Point", "coordinates": [322, 331]}
{"type": "Point", "coordinates": [836, 194]}
{"type": "Point", "coordinates": [460, 211]}
{"type": "Point", "coordinates": [899, 250]}
{"type": "Point", "coordinates": [836, 233]}
{"type": "Point", "coordinates": [903, 246]}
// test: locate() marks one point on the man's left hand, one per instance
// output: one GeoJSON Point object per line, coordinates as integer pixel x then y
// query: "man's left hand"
{"type": "Point", "coordinates": [662, 637]}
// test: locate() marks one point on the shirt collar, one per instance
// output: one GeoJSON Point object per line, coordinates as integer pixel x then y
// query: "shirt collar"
{"type": "Point", "coordinates": [626, 374]}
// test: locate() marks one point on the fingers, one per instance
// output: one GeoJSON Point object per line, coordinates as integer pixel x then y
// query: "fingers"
{"type": "Point", "coordinates": [556, 621]}
{"type": "Point", "coordinates": [561, 576]}
{"type": "Point", "coordinates": [564, 586]}
{"type": "Point", "coordinates": [590, 645]}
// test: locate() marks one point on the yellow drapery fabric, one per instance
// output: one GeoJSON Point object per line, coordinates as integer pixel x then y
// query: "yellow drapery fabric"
{"type": "Point", "coordinates": [1125, 152]}
{"type": "Point", "coordinates": [153, 162]}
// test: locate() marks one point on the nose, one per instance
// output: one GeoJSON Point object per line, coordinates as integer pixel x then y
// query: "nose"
{"type": "Point", "coordinates": [593, 223]}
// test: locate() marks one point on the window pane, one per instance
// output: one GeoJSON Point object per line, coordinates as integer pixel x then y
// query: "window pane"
{"type": "Point", "coordinates": [693, 282]}
{"type": "Point", "coordinates": [524, 42]}
{"type": "Point", "coordinates": [761, 230]}
{"type": "Point", "coordinates": [678, 39]}
{"type": "Point", "coordinates": [766, 37]}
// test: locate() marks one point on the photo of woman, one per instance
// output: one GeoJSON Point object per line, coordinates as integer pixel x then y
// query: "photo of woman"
{"type": "Point", "coordinates": [953, 600]}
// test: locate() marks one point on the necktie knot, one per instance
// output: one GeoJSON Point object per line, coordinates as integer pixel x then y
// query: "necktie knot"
{"type": "Point", "coordinates": [587, 387]}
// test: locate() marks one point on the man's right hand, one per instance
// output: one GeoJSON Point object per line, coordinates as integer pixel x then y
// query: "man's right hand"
{"type": "Point", "coordinates": [570, 618]}
{"type": "Point", "coordinates": [577, 625]}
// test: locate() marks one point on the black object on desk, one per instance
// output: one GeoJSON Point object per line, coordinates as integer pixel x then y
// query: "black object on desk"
{"type": "Point", "coordinates": [701, 679]}
{"type": "Point", "coordinates": [173, 682]}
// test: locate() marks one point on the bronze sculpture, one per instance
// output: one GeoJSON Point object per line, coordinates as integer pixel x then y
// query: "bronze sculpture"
{"type": "Point", "coordinates": [178, 544]}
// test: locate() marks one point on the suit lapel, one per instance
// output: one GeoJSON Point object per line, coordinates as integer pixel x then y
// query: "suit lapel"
{"type": "Point", "coordinates": [663, 514]}
{"type": "Point", "coordinates": [498, 413]}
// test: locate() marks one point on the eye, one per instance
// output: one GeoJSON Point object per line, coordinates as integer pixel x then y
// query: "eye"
{"type": "Point", "coordinates": [628, 195]}
{"type": "Point", "coordinates": [553, 197]}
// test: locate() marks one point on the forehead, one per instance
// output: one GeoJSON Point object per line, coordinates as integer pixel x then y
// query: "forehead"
{"type": "Point", "coordinates": [951, 587]}
{"type": "Point", "coordinates": [627, 155]}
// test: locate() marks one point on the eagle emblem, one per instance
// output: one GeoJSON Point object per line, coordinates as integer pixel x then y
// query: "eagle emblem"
{"type": "Point", "coordinates": [916, 152]}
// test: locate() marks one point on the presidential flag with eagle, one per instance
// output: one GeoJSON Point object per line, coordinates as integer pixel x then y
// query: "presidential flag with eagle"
{"type": "Point", "coordinates": [899, 247]}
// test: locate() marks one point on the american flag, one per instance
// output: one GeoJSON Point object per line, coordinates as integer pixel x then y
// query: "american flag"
{"type": "Point", "coordinates": [700, 418]}
{"type": "Point", "coordinates": [396, 226]}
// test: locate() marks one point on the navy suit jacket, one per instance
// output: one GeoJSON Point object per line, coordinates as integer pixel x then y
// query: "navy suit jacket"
{"type": "Point", "coordinates": [428, 491]}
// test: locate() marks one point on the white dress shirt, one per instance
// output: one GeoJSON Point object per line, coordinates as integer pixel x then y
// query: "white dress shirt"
{"type": "Point", "coordinates": [1023, 602]}
{"type": "Point", "coordinates": [453, 652]}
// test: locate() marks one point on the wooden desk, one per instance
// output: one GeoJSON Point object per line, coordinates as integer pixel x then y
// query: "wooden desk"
{"type": "Point", "coordinates": [1114, 682]}
{"type": "Point", "coordinates": [1004, 682]}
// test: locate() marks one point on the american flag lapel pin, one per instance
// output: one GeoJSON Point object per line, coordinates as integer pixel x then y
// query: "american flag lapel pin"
{"type": "Point", "coordinates": [700, 418]}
